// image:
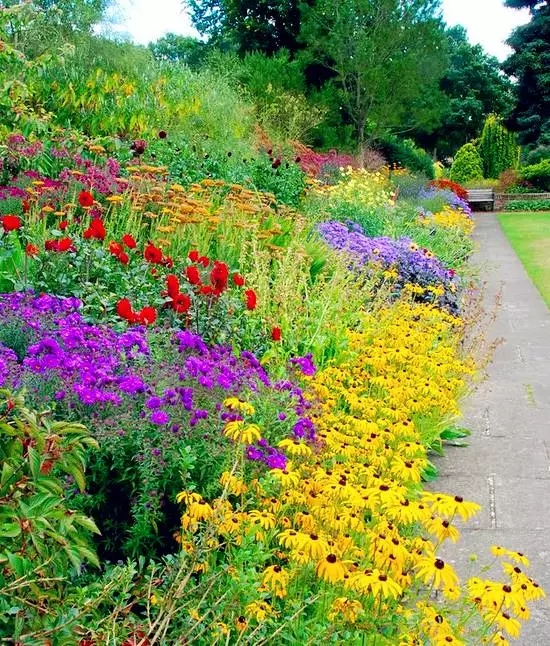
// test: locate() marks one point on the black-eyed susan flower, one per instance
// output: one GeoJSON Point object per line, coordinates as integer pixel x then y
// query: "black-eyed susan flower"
{"type": "Point", "coordinates": [437, 572]}
{"type": "Point", "coordinates": [264, 519]}
{"type": "Point", "coordinates": [260, 610]}
{"type": "Point", "coordinates": [331, 569]}
{"type": "Point", "coordinates": [240, 431]}
{"type": "Point", "coordinates": [288, 478]}
{"type": "Point", "coordinates": [315, 546]}
{"type": "Point", "coordinates": [506, 623]}
{"type": "Point", "coordinates": [233, 484]}
{"type": "Point", "coordinates": [275, 579]}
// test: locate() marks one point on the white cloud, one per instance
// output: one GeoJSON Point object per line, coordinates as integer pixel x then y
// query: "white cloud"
{"type": "Point", "coordinates": [488, 22]}
{"type": "Point", "coordinates": [147, 20]}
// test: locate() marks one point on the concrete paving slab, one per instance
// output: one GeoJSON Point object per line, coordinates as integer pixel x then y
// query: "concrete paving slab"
{"type": "Point", "coordinates": [506, 468]}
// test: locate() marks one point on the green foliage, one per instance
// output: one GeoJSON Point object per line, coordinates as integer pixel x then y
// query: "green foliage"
{"type": "Point", "coordinates": [249, 25]}
{"type": "Point", "coordinates": [529, 64]}
{"type": "Point", "coordinates": [404, 152]}
{"type": "Point", "coordinates": [379, 53]}
{"type": "Point", "coordinates": [538, 175]}
{"type": "Point", "coordinates": [528, 205]}
{"type": "Point", "coordinates": [474, 87]}
{"type": "Point", "coordinates": [42, 540]}
{"type": "Point", "coordinates": [180, 49]}
{"type": "Point", "coordinates": [467, 165]}
{"type": "Point", "coordinates": [497, 147]}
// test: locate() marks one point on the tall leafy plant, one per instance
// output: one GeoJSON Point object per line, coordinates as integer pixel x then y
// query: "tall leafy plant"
{"type": "Point", "coordinates": [498, 147]}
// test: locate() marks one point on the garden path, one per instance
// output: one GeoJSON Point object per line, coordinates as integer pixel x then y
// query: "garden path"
{"type": "Point", "coordinates": [506, 467]}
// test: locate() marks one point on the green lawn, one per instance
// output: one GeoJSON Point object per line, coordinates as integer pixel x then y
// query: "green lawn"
{"type": "Point", "coordinates": [529, 235]}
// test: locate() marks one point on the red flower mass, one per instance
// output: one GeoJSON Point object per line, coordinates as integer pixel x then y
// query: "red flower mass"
{"type": "Point", "coordinates": [192, 275]}
{"type": "Point", "coordinates": [238, 280]}
{"type": "Point", "coordinates": [153, 254]}
{"type": "Point", "coordinates": [85, 198]}
{"type": "Point", "coordinates": [219, 276]}
{"type": "Point", "coordinates": [10, 222]}
{"type": "Point", "coordinates": [129, 241]}
{"type": "Point", "coordinates": [115, 248]}
{"type": "Point", "coordinates": [146, 316]}
{"type": "Point", "coordinates": [60, 246]}
{"type": "Point", "coordinates": [96, 230]}
{"type": "Point", "coordinates": [194, 256]}
{"type": "Point", "coordinates": [251, 299]}
{"type": "Point", "coordinates": [276, 334]}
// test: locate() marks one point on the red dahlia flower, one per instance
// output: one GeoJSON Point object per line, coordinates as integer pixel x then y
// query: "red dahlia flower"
{"type": "Point", "coordinates": [251, 299]}
{"type": "Point", "coordinates": [63, 225]}
{"type": "Point", "coordinates": [96, 230]}
{"type": "Point", "coordinates": [276, 334]}
{"type": "Point", "coordinates": [181, 303]}
{"type": "Point", "coordinates": [172, 285]}
{"type": "Point", "coordinates": [238, 280]}
{"type": "Point", "coordinates": [10, 222]}
{"type": "Point", "coordinates": [147, 315]}
{"type": "Point", "coordinates": [192, 275]}
{"type": "Point", "coordinates": [61, 245]}
{"type": "Point", "coordinates": [32, 250]}
{"type": "Point", "coordinates": [194, 256]}
{"type": "Point", "coordinates": [129, 241]}
{"type": "Point", "coordinates": [219, 276]}
{"type": "Point", "coordinates": [152, 254]}
{"type": "Point", "coordinates": [115, 248]}
{"type": "Point", "coordinates": [123, 257]}
{"type": "Point", "coordinates": [124, 309]}
{"type": "Point", "coordinates": [85, 198]}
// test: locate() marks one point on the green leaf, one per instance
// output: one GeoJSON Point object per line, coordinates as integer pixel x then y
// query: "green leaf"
{"type": "Point", "coordinates": [10, 530]}
{"type": "Point", "coordinates": [430, 473]}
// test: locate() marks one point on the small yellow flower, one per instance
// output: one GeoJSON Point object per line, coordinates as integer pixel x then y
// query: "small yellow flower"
{"type": "Point", "coordinates": [239, 431]}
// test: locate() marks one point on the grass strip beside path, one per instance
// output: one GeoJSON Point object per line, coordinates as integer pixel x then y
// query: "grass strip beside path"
{"type": "Point", "coordinates": [529, 235]}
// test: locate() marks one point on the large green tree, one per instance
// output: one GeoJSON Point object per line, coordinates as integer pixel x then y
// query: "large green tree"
{"type": "Point", "coordinates": [474, 87]}
{"type": "Point", "coordinates": [249, 25]}
{"type": "Point", "coordinates": [530, 65]}
{"type": "Point", "coordinates": [42, 26]}
{"type": "Point", "coordinates": [387, 57]}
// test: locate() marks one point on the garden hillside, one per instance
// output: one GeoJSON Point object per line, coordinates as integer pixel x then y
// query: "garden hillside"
{"type": "Point", "coordinates": [226, 361]}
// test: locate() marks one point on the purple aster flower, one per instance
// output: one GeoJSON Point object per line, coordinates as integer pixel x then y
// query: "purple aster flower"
{"type": "Point", "coordinates": [159, 417]}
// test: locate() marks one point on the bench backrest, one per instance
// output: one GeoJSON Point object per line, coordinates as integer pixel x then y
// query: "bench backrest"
{"type": "Point", "coordinates": [481, 194]}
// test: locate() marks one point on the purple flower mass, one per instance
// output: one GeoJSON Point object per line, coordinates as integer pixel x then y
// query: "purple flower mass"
{"type": "Point", "coordinates": [49, 349]}
{"type": "Point", "coordinates": [414, 265]}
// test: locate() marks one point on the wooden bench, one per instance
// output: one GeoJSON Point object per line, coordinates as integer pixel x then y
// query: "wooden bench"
{"type": "Point", "coordinates": [484, 196]}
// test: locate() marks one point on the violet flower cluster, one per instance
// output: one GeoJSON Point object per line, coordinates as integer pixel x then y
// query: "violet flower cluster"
{"type": "Point", "coordinates": [48, 348]}
{"type": "Point", "coordinates": [414, 265]}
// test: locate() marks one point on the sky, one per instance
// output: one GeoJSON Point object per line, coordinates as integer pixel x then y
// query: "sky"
{"type": "Point", "coordinates": [488, 22]}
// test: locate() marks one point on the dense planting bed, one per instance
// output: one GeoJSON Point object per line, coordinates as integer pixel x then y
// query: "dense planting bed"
{"type": "Point", "coordinates": [243, 390]}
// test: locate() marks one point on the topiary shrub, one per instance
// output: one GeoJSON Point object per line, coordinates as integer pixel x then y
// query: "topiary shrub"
{"type": "Point", "coordinates": [498, 148]}
{"type": "Point", "coordinates": [467, 165]}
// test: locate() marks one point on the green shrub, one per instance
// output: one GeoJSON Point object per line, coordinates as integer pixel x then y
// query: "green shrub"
{"type": "Point", "coordinates": [498, 148]}
{"type": "Point", "coordinates": [405, 152]}
{"type": "Point", "coordinates": [467, 165]}
{"type": "Point", "coordinates": [538, 175]}
{"type": "Point", "coordinates": [43, 542]}
{"type": "Point", "coordinates": [528, 205]}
